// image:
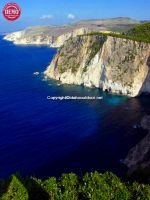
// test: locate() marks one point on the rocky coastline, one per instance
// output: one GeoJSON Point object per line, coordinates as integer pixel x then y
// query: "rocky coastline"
{"type": "Point", "coordinates": [116, 65]}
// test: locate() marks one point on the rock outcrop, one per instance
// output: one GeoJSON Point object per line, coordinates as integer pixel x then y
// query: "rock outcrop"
{"type": "Point", "coordinates": [53, 36]}
{"type": "Point", "coordinates": [114, 64]}
{"type": "Point", "coordinates": [138, 158]}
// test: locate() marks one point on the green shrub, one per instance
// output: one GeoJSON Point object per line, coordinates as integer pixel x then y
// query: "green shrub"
{"type": "Point", "coordinates": [140, 191]}
{"type": "Point", "coordinates": [119, 191]}
{"type": "Point", "coordinates": [62, 54]}
{"type": "Point", "coordinates": [94, 187]}
{"type": "Point", "coordinates": [50, 185]}
{"type": "Point", "coordinates": [141, 30]}
{"type": "Point", "coordinates": [140, 33]}
{"type": "Point", "coordinates": [15, 190]}
{"type": "Point", "coordinates": [95, 47]}
{"type": "Point", "coordinates": [69, 187]}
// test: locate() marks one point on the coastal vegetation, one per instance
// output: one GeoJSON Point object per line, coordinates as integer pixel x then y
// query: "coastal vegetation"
{"type": "Point", "coordinates": [92, 186]}
{"type": "Point", "coordinates": [95, 47]}
{"type": "Point", "coordinates": [139, 33]}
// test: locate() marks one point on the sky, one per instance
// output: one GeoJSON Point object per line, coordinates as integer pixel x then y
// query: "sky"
{"type": "Point", "coordinates": [51, 12]}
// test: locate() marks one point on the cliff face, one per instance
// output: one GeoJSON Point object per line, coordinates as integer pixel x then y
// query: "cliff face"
{"type": "Point", "coordinates": [114, 64]}
{"type": "Point", "coordinates": [51, 36]}
{"type": "Point", "coordinates": [55, 36]}
{"type": "Point", "coordinates": [23, 38]}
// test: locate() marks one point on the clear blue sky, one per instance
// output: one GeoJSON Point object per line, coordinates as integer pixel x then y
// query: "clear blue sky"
{"type": "Point", "coordinates": [46, 12]}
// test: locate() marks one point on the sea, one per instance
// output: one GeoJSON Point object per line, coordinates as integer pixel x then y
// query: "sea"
{"type": "Point", "coordinates": [43, 137]}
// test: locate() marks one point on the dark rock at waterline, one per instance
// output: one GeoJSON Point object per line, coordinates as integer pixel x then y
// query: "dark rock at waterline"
{"type": "Point", "coordinates": [138, 158]}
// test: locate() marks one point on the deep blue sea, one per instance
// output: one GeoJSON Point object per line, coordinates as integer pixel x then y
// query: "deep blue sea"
{"type": "Point", "coordinates": [41, 137]}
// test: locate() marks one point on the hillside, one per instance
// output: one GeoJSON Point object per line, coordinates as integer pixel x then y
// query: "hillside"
{"type": "Point", "coordinates": [114, 64]}
{"type": "Point", "coordinates": [119, 24]}
{"type": "Point", "coordinates": [110, 21]}
{"type": "Point", "coordinates": [55, 36]}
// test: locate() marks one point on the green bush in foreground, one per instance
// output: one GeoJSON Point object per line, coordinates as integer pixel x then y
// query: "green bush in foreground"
{"type": "Point", "coordinates": [15, 190]}
{"type": "Point", "coordinates": [92, 186]}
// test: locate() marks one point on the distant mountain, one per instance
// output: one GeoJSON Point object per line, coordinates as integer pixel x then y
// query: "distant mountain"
{"type": "Point", "coordinates": [56, 35]}
{"type": "Point", "coordinates": [118, 24]}
{"type": "Point", "coordinates": [110, 24]}
{"type": "Point", "coordinates": [110, 21]}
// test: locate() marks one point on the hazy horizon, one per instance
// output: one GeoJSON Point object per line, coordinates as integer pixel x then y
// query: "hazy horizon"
{"type": "Point", "coordinates": [40, 25]}
{"type": "Point", "coordinates": [47, 12]}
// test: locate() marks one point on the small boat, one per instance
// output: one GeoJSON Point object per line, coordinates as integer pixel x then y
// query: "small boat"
{"type": "Point", "coordinates": [36, 73]}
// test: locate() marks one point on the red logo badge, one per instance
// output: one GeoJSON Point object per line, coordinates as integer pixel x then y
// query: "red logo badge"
{"type": "Point", "coordinates": [11, 11]}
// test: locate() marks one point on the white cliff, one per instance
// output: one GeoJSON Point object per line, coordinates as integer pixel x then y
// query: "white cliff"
{"type": "Point", "coordinates": [114, 64]}
{"type": "Point", "coordinates": [20, 38]}
{"type": "Point", "coordinates": [51, 36]}
{"type": "Point", "coordinates": [55, 36]}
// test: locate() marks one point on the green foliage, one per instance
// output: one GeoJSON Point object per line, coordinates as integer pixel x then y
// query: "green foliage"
{"type": "Point", "coordinates": [92, 186]}
{"type": "Point", "coordinates": [140, 191]}
{"type": "Point", "coordinates": [93, 50]}
{"type": "Point", "coordinates": [95, 47]}
{"type": "Point", "coordinates": [69, 187]}
{"type": "Point", "coordinates": [51, 187]}
{"type": "Point", "coordinates": [140, 33]}
{"type": "Point", "coordinates": [62, 54]}
{"type": "Point", "coordinates": [115, 184]}
{"type": "Point", "coordinates": [15, 190]}
{"type": "Point", "coordinates": [120, 29]}
{"type": "Point", "coordinates": [62, 69]}
{"type": "Point", "coordinates": [75, 67]}
{"type": "Point", "coordinates": [104, 186]}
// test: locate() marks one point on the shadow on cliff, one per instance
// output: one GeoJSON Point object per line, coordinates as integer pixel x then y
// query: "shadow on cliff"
{"type": "Point", "coordinates": [144, 91]}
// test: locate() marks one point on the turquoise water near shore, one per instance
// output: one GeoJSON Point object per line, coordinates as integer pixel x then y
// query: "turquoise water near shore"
{"type": "Point", "coordinates": [42, 138]}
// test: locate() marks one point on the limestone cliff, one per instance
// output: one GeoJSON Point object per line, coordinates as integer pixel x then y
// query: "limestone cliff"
{"type": "Point", "coordinates": [53, 36]}
{"type": "Point", "coordinates": [114, 64]}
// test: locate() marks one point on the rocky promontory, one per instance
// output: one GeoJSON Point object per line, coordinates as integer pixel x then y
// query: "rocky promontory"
{"type": "Point", "coordinates": [116, 65]}
{"type": "Point", "coordinates": [51, 36]}
{"type": "Point", "coordinates": [55, 36]}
